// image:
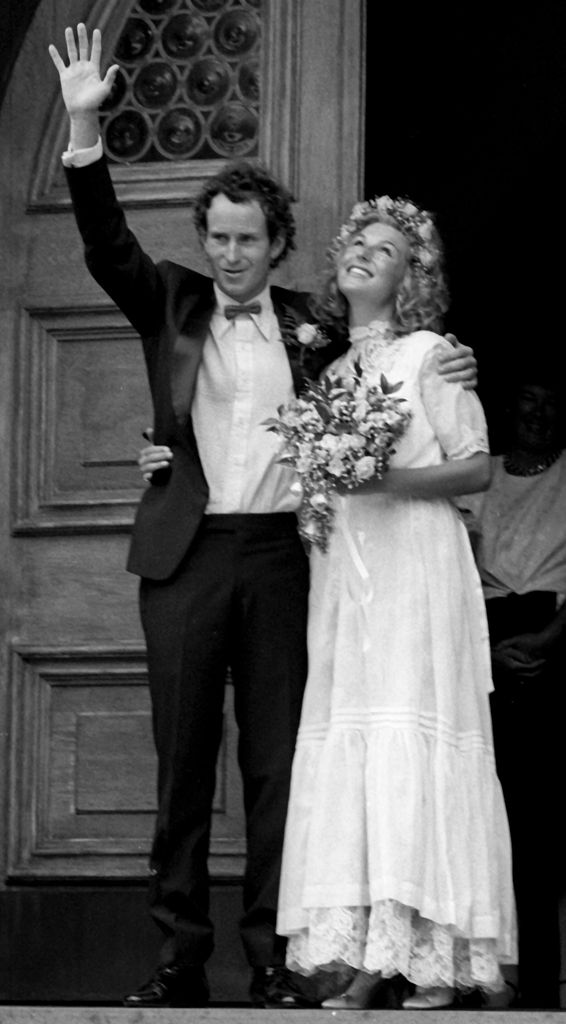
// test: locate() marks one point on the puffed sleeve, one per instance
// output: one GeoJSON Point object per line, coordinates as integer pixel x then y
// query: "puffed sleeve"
{"type": "Point", "coordinates": [455, 414]}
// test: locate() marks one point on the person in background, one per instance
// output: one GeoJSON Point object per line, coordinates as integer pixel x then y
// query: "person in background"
{"type": "Point", "coordinates": [519, 532]}
{"type": "Point", "coordinates": [224, 576]}
{"type": "Point", "coordinates": [397, 855]}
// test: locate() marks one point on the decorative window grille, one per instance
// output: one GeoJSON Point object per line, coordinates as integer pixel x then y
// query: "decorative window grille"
{"type": "Point", "coordinates": [188, 85]}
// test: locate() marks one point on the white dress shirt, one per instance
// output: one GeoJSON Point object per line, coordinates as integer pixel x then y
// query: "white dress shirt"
{"type": "Point", "coordinates": [243, 377]}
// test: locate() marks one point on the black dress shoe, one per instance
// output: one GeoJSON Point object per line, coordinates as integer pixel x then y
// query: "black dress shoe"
{"type": "Point", "coordinates": [276, 988]}
{"type": "Point", "coordinates": [172, 986]}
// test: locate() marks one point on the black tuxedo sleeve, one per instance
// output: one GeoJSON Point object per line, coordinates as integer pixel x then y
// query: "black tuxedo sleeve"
{"type": "Point", "coordinates": [112, 252]}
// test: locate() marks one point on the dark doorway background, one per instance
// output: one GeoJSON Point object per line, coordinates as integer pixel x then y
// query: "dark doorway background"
{"type": "Point", "coordinates": [466, 114]}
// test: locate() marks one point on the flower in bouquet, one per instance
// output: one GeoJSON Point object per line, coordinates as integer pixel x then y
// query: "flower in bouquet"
{"type": "Point", "coordinates": [341, 431]}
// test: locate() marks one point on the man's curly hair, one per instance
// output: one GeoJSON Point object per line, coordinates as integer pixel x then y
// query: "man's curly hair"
{"type": "Point", "coordinates": [242, 182]}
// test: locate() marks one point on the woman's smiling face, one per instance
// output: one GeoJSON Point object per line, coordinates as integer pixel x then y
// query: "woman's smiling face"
{"type": "Point", "coordinates": [373, 264]}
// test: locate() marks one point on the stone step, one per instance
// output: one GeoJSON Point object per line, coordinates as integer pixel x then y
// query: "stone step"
{"type": "Point", "coordinates": [249, 1015]}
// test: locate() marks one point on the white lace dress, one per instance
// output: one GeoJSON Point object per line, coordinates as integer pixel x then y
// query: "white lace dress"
{"type": "Point", "coordinates": [397, 855]}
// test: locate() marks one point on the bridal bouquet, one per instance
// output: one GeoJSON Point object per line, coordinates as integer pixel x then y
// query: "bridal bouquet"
{"type": "Point", "coordinates": [341, 430]}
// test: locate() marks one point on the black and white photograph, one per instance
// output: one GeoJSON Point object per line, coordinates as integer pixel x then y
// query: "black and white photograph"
{"type": "Point", "coordinates": [282, 511]}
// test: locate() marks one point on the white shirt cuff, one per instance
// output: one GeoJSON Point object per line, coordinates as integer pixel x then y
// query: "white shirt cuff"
{"type": "Point", "coordinates": [82, 157]}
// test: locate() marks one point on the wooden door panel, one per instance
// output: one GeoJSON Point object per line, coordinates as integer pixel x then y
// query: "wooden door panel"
{"type": "Point", "coordinates": [83, 769]}
{"type": "Point", "coordinates": [84, 400]}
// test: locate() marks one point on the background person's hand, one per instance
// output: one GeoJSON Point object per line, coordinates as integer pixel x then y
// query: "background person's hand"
{"type": "Point", "coordinates": [523, 656]}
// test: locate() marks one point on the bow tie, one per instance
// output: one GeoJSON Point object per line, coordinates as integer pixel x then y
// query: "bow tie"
{"type": "Point", "coordinates": [232, 311]}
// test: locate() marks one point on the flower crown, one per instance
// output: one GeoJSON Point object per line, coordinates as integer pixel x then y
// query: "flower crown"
{"type": "Point", "coordinates": [415, 224]}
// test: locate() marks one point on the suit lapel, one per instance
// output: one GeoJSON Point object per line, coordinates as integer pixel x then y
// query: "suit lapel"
{"type": "Point", "coordinates": [287, 316]}
{"type": "Point", "coordinates": [187, 354]}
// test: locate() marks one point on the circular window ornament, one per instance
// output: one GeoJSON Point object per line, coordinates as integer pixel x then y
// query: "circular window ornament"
{"type": "Point", "coordinates": [184, 36]}
{"type": "Point", "coordinates": [209, 6]}
{"type": "Point", "coordinates": [234, 130]}
{"type": "Point", "coordinates": [179, 133]}
{"type": "Point", "coordinates": [236, 33]}
{"type": "Point", "coordinates": [127, 135]}
{"type": "Point", "coordinates": [135, 42]}
{"type": "Point", "coordinates": [248, 81]}
{"type": "Point", "coordinates": [155, 85]}
{"type": "Point", "coordinates": [157, 7]}
{"type": "Point", "coordinates": [208, 82]}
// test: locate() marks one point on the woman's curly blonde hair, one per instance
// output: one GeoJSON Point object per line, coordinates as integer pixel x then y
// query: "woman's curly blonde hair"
{"type": "Point", "coordinates": [422, 298]}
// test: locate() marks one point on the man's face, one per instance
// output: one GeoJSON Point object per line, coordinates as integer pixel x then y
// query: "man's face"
{"type": "Point", "coordinates": [238, 247]}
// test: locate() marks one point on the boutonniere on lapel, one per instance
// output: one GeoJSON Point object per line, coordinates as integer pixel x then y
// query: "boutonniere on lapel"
{"type": "Point", "coordinates": [300, 335]}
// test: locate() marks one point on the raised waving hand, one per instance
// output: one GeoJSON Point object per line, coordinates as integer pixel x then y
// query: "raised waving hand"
{"type": "Point", "coordinates": [82, 87]}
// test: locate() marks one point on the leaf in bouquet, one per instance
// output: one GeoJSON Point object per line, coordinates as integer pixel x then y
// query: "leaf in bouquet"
{"type": "Point", "coordinates": [322, 410]}
{"type": "Point", "coordinates": [357, 368]}
{"type": "Point", "coordinates": [271, 424]}
{"type": "Point", "coordinates": [387, 388]}
{"type": "Point", "coordinates": [328, 384]}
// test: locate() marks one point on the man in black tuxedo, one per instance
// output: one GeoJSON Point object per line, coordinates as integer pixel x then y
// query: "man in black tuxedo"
{"type": "Point", "coordinates": [224, 576]}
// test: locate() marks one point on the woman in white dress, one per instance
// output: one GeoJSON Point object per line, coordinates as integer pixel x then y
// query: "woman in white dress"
{"type": "Point", "coordinates": [397, 855]}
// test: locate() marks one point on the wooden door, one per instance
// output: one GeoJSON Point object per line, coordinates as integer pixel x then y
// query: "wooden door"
{"type": "Point", "coordinates": [202, 80]}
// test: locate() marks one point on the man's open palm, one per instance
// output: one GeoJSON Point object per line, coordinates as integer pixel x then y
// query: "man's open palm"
{"type": "Point", "coordinates": [82, 87]}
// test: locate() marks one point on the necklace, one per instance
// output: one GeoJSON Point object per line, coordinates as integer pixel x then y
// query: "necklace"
{"type": "Point", "coordinates": [517, 469]}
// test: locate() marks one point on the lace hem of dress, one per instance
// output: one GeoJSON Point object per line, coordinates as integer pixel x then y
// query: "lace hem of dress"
{"type": "Point", "coordinates": [394, 939]}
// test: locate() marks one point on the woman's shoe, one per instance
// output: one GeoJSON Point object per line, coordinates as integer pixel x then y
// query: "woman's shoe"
{"type": "Point", "coordinates": [359, 995]}
{"type": "Point", "coordinates": [343, 1002]}
{"type": "Point", "coordinates": [429, 998]}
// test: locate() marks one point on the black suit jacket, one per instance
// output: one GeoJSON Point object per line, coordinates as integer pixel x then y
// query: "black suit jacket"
{"type": "Point", "coordinates": [170, 307]}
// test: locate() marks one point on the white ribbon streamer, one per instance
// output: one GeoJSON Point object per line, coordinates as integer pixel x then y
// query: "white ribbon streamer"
{"type": "Point", "coordinates": [361, 569]}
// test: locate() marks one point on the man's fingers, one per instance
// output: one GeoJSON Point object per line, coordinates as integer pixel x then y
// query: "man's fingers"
{"type": "Point", "coordinates": [454, 357]}
{"type": "Point", "coordinates": [96, 49]}
{"type": "Point", "coordinates": [532, 670]}
{"type": "Point", "coordinates": [71, 45]}
{"type": "Point", "coordinates": [452, 339]}
{"type": "Point", "coordinates": [56, 58]}
{"type": "Point", "coordinates": [152, 461]}
{"type": "Point", "coordinates": [83, 41]}
{"type": "Point", "coordinates": [111, 75]}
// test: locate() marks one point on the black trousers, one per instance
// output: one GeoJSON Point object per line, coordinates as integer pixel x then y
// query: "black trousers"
{"type": "Point", "coordinates": [528, 724]}
{"type": "Point", "coordinates": [239, 600]}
